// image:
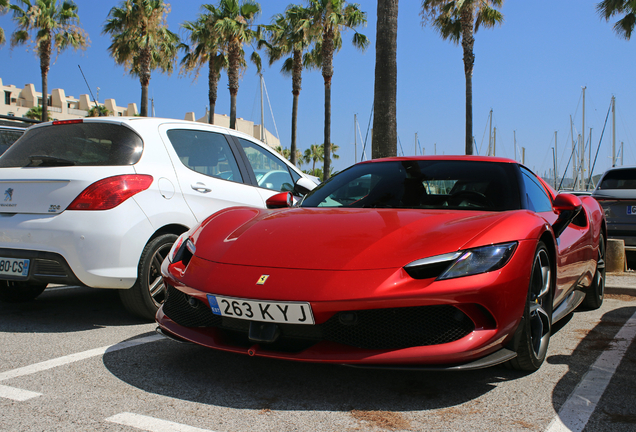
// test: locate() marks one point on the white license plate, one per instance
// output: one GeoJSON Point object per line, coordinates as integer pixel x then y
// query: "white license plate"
{"type": "Point", "coordinates": [631, 210]}
{"type": "Point", "coordinates": [258, 310]}
{"type": "Point", "coordinates": [14, 267]}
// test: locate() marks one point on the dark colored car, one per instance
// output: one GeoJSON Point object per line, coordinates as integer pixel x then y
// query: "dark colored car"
{"type": "Point", "coordinates": [616, 192]}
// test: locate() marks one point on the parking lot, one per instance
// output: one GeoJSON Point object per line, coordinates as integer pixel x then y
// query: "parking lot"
{"type": "Point", "coordinates": [74, 360]}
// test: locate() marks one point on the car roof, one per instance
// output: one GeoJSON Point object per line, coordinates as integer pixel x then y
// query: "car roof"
{"type": "Point", "coordinates": [134, 122]}
{"type": "Point", "coordinates": [13, 128]}
{"type": "Point", "coordinates": [446, 158]}
{"type": "Point", "coordinates": [619, 168]}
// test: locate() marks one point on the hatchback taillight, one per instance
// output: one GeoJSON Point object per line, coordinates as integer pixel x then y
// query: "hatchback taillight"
{"type": "Point", "coordinates": [108, 193]}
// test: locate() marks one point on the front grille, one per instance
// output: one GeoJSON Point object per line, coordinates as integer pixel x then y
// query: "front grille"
{"type": "Point", "coordinates": [400, 327]}
{"type": "Point", "coordinates": [374, 329]}
{"type": "Point", "coordinates": [178, 308]}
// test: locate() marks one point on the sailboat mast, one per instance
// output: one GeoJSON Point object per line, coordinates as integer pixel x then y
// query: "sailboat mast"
{"type": "Point", "coordinates": [355, 138]}
{"type": "Point", "coordinates": [490, 135]}
{"type": "Point", "coordinates": [614, 131]}
{"type": "Point", "coordinates": [573, 153]}
{"type": "Point", "coordinates": [514, 136]}
{"type": "Point", "coordinates": [554, 161]}
{"type": "Point", "coordinates": [582, 146]}
{"type": "Point", "coordinates": [262, 113]}
{"type": "Point", "coordinates": [556, 152]}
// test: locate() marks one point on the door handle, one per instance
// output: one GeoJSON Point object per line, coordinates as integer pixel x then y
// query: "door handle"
{"type": "Point", "coordinates": [200, 187]}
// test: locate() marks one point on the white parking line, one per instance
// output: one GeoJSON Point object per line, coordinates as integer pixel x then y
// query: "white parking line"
{"type": "Point", "coordinates": [152, 424]}
{"type": "Point", "coordinates": [577, 410]}
{"type": "Point", "coordinates": [17, 394]}
{"type": "Point", "coordinates": [6, 392]}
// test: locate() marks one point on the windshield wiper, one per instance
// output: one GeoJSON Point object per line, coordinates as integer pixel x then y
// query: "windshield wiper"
{"type": "Point", "coordinates": [38, 160]}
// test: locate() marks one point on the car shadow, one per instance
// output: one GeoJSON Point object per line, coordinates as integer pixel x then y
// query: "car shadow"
{"type": "Point", "coordinates": [202, 375]}
{"type": "Point", "coordinates": [621, 412]}
{"type": "Point", "coordinates": [67, 309]}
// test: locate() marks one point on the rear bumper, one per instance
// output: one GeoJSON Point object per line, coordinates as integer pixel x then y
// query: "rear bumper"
{"type": "Point", "coordinates": [99, 249]}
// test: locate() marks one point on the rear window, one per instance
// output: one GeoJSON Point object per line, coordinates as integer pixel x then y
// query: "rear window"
{"type": "Point", "coordinates": [619, 179]}
{"type": "Point", "coordinates": [80, 144]}
{"type": "Point", "coordinates": [8, 137]}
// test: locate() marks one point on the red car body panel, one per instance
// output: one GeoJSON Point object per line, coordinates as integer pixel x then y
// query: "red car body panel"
{"type": "Point", "coordinates": [359, 265]}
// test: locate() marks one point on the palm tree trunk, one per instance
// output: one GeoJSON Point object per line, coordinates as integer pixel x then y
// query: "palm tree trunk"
{"type": "Point", "coordinates": [233, 78]}
{"type": "Point", "coordinates": [296, 87]}
{"type": "Point", "coordinates": [468, 42]}
{"type": "Point", "coordinates": [233, 110]}
{"type": "Point", "coordinates": [45, 61]}
{"type": "Point", "coordinates": [384, 140]}
{"type": "Point", "coordinates": [327, 73]}
{"type": "Point", "coordinates": [213, 82]}
{"type": "Point", "coordinates": [144, 80]}
{"type": "Point", "coordinates": [327, 156]}
{"type": "Point", "coordinates": [293, 129]}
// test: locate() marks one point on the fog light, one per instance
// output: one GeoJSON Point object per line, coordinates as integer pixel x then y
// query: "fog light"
{"type": "Point", "coordinates": [193, 302]}
{"type": "Point", "coordinates": [348, 318]}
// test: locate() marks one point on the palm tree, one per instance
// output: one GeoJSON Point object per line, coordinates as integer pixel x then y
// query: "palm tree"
{"type": "Point", "coordinates": [206, 49]}
{"type": "Point", "coordinates": [384, 142]}
{"type": "Point", "coordinates": [4, 7]}
{"type": "Point", "coordinates": [624, 26]}
{"type": "Point", "coordinates": [315, 153]}
{"type": "Point", "coordinates": [286, 37]}
{"type": "Point", "coordinates": [141, 41]}
{"type": "Point", "coordinates": [326, 21]}
{"type": "Point", "coordinates": [98, 111]}
{"type": "Point", "coordinates": [233, 28]}
{"type": "Point", "coordinates": [459, 20]}
{"type": "Point", "coordinates": [54, 28]}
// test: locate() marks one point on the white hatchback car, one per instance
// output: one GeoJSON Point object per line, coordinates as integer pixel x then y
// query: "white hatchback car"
{"type": "Point", "coordinates": [99, 202]}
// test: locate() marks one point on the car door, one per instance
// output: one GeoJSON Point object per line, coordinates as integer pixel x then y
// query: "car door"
{"type": "Point", "coordinates": [572, 244]}
{"type": "Point", "coordinates": [271, 173]}
{"type": "Point", "coordinates": [208, 171]}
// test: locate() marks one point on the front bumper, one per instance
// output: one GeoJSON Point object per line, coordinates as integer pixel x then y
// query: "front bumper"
{"type": "Point", "coordinates": [481, 313]}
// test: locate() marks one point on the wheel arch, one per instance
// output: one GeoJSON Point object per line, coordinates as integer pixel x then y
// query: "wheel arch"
{"type": "Point", "coordinates": [176, 229]}
{"type": "Point", "coordinates": [548, 239]}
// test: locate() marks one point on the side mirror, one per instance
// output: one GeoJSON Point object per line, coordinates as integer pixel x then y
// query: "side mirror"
{"type": "Point", "coordinates": [280, 200]}
{"type": "Point", "coordinates": [567, 206]}
{"type": "Point", "coordinates": [303, 186]}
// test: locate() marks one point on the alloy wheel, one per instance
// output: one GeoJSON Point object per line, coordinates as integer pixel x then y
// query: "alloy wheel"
{"type": "Point", "coordinates": [540, 320]}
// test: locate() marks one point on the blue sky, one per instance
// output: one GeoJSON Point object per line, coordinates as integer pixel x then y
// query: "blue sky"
{"type": "Point", "coordinates": [530, 72]}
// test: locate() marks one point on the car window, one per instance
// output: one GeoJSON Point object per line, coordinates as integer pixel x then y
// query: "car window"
{"type": "Point", "coordinates": [82, 144]}
{"type": "Point", "coordinates": [8, 137]}
{"type": "Point", "coordinates": [271, 172]}
{"type": "Point", "coordinates": [207, 153]}
{"type": "Point", "coordinates": [537, 198]}
{"type": "Point", "coordinates": [619, 179]}
{"type": "Point", "coordinates": [421, 184]}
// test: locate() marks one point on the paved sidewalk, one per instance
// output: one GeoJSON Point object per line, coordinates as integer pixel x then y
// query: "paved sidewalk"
{"type": "Point", "coordinates": [621, 283]}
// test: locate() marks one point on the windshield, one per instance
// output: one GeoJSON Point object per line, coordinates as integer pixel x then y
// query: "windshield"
{"type": "Point", "coordinates": [421, 184]}
{"type": "Point", "coordinates": [81, 144]}
{"type": "Point", "coordinates": [619, 179]}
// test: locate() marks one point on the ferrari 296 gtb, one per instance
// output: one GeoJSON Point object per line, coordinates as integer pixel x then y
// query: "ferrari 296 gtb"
{"type": "Point", "coordinates": [445, 262]}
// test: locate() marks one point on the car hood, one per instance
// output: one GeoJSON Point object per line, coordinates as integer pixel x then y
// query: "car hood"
{"type": "Point", "coordinates": [342, 239]}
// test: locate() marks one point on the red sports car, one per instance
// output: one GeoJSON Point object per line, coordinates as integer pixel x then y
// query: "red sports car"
{"type": "Point", "coordinates": [452, 262]}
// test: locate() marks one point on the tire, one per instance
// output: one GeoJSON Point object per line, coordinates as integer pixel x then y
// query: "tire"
{"type": "Point", "coordinates": [596, 292]}
{"type": "Point", "coordinates": [148, 292]}
{"type": "Point", "coordinates": [19, 291]}
{"type": "Point", "coordinates": [537, 316]}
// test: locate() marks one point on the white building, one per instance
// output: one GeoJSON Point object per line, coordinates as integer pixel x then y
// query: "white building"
{"type": "Point", "coordinates": [17, 102]}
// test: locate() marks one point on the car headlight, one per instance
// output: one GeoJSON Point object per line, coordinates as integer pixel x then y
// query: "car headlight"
{"type": "Point", "coordinates": [480, 260]}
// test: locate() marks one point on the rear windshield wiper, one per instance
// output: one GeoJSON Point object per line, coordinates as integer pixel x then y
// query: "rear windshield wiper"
{"type": "Point", "coordinates": [38, 161]}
